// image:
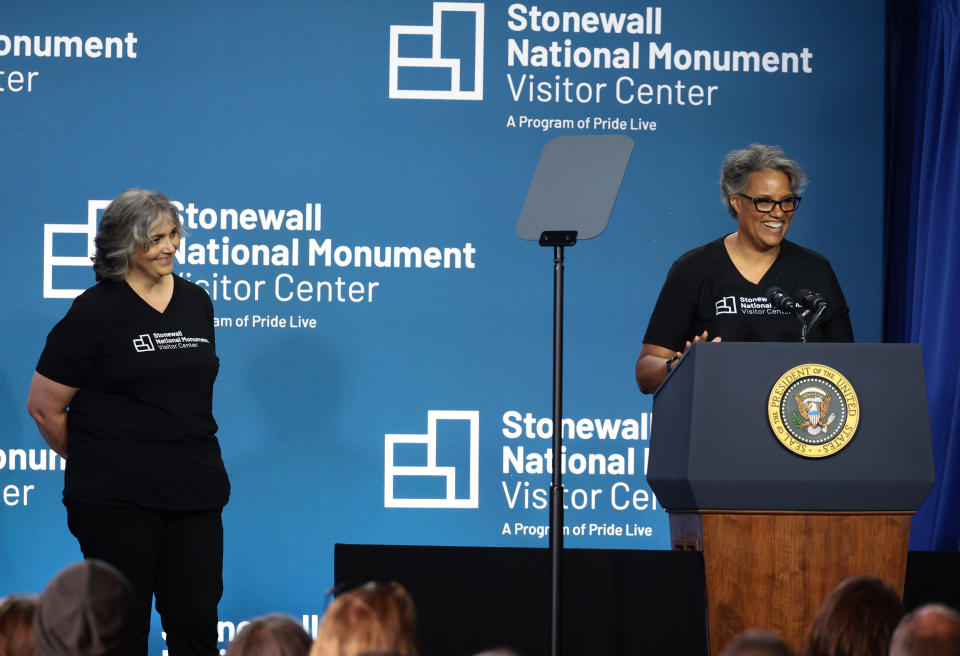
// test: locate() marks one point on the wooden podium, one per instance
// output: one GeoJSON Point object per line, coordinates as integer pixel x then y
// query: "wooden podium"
{"type": "Point", "coordinates": [779, 530]}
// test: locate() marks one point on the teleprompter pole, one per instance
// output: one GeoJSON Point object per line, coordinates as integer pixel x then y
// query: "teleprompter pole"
{"type": "Point", "coordinates": [558, 239]}
{"type": "Point", "coordinates": [571, 197]}
{"type": "Point", "coordinates": [556, 487]}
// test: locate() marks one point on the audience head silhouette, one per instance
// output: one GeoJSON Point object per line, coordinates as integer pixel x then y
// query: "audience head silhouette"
{"type": "Point", "coordinates": [86, 610]}
{"type": "Point", "coordinates": [16, 625]}
{"type": "Point", "coordinates": [271, 635]}
{"type": "Point", "coordinates": [931, 630]}
{"type": "Point", "coordinates": [375, 617]}
{"type": "Point", "coordinates": [856, 619]}
{"type": "Point", "coordinates": [756, 642]}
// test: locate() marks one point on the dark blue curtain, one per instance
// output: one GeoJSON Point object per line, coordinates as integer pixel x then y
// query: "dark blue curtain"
{"type": "Point", "coordinates": [923, 232]}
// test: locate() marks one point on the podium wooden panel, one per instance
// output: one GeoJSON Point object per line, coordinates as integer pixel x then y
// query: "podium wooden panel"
{"type": "Point", "coordinates": [773, 570]}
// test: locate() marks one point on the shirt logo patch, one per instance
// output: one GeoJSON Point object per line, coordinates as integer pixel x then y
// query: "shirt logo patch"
{"type": "Point", "coordinates": [167, 341]}
{"type": "Point", "coordinates": [143, 344]}
{"type": "Point", "coordinates": [726, 305]}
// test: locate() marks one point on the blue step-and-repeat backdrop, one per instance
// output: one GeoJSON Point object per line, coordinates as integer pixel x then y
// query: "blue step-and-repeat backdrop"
{"type": "Point", "coordinates": [350, 177]}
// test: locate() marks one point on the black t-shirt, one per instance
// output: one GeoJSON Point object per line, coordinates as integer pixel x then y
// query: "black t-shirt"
{"type": "Point", "coordinates": [141, 430]}
{"type": "Point", "coordinates": [705, 291]}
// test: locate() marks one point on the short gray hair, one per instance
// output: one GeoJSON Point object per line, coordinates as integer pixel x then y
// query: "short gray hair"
{"type": "Point", "coordinates": [931, 630]}
{"type": "Point", "coordinates": [739, 164]}
{"type": "Point", "coordinates": [125, 227]}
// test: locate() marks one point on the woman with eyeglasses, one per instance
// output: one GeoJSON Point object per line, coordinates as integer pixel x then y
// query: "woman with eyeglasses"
{"type": "Point", "coordinates": [719, 290]}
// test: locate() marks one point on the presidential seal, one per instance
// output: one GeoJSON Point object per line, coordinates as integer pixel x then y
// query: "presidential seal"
{"type": "Point", "coordinates": [813, 410]}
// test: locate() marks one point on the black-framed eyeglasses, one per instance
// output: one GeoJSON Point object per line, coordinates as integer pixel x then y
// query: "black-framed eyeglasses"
{"type": "Point", "coordinates": [763, 204]}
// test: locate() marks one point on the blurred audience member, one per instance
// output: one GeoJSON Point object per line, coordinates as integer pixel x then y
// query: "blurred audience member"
{"type": "Point", "coordinates": [86, 610]}
{"type": "Point", "coordinates": [373, 617]}
{"type": "Point", "coordinates": [856, 619]}
{"type": "Point", "coordinates": [16, 625]}
{"type": "Point", "coordinates": [271, 635]}
{"type": "Point", "coordinates": [931, 630]}
{"type": "Point", "coordinates": [756, 642]}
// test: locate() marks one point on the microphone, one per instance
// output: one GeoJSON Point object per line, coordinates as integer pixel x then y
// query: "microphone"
{"type": "Point", "coordinates": [812, 300]}
{"type": "Point", "coordinates": [782, 301]}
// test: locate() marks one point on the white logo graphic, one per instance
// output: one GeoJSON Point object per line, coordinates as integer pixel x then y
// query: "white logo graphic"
{"type": "Point", "coordinates": [727, 305]}
{"type": "Point", "coordinates": [435, 61]}
{"type": "Point", "coordinates": [143, 343]}
{"type": "Point", "coordinates": [430, 469]}
{"type": "Point", "coordinates": [50, 260]}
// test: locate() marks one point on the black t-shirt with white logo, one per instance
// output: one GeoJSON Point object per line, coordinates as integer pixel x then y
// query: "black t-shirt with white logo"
{"type": "Point", "coordinates": [705, 291]}
{"type": "Point", "coordinates": [141, 430]}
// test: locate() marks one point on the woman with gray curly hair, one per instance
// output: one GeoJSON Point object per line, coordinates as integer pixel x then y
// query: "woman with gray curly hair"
{"type": "Point", "coordinates": [124, 391]}
{"type": "Point", "coordinates": [718, 291]}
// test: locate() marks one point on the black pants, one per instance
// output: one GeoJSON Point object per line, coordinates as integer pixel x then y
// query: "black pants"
{"type": "Point", "coordinates": [176, 556]}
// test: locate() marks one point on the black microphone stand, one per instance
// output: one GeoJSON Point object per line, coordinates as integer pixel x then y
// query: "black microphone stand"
{"type": "Point", "coordinates": [814, 304]}
{"type": "Point", "coordinates": [786, 303]}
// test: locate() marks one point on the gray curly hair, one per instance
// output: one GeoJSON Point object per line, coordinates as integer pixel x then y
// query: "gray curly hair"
{"type": "Point", "coordinates": [739, 164]}
{"type": "Point", "coordinates": [125, 227]}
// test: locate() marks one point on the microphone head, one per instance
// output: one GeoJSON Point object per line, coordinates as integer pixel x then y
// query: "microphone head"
{"type": "Point", "coordinates": [811, 300]}
{"type": "Point", "coordinates": [781, 300]}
